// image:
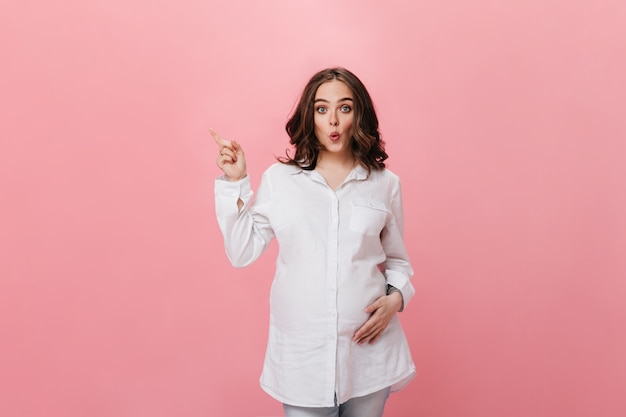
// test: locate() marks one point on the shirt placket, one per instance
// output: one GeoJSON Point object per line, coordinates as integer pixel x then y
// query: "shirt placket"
{"type": "Point", "coordinates": [331, 290]}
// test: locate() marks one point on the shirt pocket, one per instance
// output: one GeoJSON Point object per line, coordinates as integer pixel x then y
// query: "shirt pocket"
{"type": "Point", "coordinates": [368, 216]}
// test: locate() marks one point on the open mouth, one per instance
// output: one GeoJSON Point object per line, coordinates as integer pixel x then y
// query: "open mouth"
{"type": "Point", "coordinates": [334, 136]}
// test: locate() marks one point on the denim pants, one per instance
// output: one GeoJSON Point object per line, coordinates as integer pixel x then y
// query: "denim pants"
{"type": "Point", "coordinates": [371, 405]}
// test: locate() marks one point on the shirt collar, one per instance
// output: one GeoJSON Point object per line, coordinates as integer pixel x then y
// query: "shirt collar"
{"type": "Point", "coordinates": [358, 173]}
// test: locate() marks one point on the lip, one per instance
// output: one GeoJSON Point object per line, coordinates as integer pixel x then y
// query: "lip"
{"type": "Point", "coordinates": [334, 136]}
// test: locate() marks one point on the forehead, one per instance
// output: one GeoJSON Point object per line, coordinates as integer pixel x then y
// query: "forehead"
{"type": "Point", "coordinates": [333, 89]}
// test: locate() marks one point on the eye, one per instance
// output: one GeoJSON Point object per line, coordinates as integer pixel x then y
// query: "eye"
{"type": "Point", "coordinates": [346, 109]}
{"type": "Point", "coordinates": [321, 109]}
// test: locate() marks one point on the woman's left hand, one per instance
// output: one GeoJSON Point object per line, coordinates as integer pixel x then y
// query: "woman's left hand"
{"type": "Point", "coordinates": [382, 311]}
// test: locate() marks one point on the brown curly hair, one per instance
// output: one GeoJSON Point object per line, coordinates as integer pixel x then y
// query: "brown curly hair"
{"type": "Point", "coordinates": [367, 145]}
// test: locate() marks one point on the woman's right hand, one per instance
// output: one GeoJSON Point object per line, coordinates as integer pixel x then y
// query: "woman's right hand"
{"type": "Point", "coordinates": [230, 159]}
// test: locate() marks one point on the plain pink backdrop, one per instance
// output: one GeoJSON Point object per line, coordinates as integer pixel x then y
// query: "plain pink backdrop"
{"type": "Point", "coordinates": [505, 120]}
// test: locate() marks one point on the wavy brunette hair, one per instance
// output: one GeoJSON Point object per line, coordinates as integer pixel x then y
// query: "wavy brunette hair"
{"type": "Point", "coordinates": [367, 145]}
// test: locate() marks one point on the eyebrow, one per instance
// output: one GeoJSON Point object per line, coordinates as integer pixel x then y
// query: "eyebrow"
{"type": "Point", "coordinates": [326, 101]}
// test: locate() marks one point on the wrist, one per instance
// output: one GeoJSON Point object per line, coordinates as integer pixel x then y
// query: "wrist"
{"type": "Point", "coordinates": [235, 179]}
{"type": "Point", "coordinates": [397, 295]}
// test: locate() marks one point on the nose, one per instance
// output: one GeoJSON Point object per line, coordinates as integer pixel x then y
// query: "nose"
{"type": "Point", "coordinates": [334, 120]}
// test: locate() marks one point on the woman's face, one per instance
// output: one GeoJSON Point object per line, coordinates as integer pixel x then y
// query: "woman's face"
{"type": "Point", "coordinates": [334, 113]}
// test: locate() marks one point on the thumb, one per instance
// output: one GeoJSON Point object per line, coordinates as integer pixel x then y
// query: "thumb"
{"type": "Point", "coordinates": [373, 307]}
{"type": "Point", "coordinates": [237, 148]}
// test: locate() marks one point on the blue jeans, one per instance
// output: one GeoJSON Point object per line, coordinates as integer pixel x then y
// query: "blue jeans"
{"type": "Point", "coordinates": [371, 405]}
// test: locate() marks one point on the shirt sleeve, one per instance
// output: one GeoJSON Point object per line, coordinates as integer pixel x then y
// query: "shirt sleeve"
{"type": "Point", "coordinates": [247, 232]}
{"type": "Point", "coordinates": [398, 269]}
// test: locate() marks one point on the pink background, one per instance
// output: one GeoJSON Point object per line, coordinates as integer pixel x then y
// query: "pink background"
{"type": "Point", "coordinates": [506, 121]}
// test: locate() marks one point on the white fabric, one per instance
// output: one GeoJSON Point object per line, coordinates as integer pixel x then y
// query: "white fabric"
{"type": "Point", "coordinates": [333, 246]}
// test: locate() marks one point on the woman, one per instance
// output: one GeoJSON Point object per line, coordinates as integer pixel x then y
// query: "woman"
{"type": "Point", "coordinates": [336, 346]}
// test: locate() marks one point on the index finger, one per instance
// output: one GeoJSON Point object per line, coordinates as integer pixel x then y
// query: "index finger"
{"type": "Point", "coordinates": [221, 142]}
{"type": "Point", "coordinates": [363, 330]}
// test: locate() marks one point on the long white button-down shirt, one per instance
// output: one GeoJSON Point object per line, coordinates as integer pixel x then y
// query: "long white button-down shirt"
{"type": "Point", "coordinates": [338, 250]}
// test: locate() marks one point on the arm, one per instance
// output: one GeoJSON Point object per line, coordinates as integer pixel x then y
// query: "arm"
{"type": "Point", "coordinates": [245, 226]}
{"type": "Point", "coordinates": [398, 269]}
{"type": "Point", "coordinates": [398, 272]}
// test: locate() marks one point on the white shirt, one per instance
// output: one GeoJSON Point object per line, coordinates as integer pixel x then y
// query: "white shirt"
{"type": "Point", "coordinates": [333, 245]}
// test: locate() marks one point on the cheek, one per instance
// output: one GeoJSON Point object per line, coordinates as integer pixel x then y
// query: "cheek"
{"type": "Point", "coordinates": [318, 121]}
{"type": "Point", "coordinates": [319, 128]}
{"type": "Point", "coordinates": [349, 121]}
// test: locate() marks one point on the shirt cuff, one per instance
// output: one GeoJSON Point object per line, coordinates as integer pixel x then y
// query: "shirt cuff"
{"type": "Point", "coordinates": [403, 284]}
{"type": "Point", "coordinates": [227, 193]}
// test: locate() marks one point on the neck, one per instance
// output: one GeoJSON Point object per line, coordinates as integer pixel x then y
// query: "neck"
{"type": "Point", "coordinates": [336, 160]}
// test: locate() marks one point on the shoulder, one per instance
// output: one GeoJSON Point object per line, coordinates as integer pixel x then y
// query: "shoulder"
{"type": "Point", "coordinates": [384, 176]}
{"type": "Point", "coordinates": [279, 169]}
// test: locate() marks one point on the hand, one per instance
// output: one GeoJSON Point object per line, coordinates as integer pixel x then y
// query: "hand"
{"type": "Point", "coordinates": [231, 159]}
{"type": "Point", "coordinates": [382, 311]}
